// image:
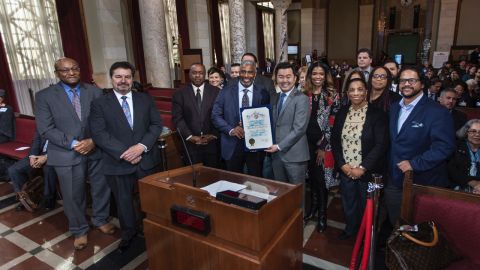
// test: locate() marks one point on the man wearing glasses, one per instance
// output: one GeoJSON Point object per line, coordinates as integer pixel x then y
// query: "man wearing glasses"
{"type": "Point", "coordinates": [62, 112]}
{"type": "Point", "coordinates": [422, 138]}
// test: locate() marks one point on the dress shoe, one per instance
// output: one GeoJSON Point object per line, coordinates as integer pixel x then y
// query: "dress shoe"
{"type": "Point", "coordinates": [322, 223]}
{"type": "Point", "coordinates": [19, 207]}
{"type": "Point", "coordinates": [48, 204]}
{"type": "Point", "coordinates": [344, 236]}
{"type": "Point", "coordinates": [124, 245]}
{"type": "Point", "coordinates": [80, 242]}
{"type": "Point", "coordinates": [107, 228]}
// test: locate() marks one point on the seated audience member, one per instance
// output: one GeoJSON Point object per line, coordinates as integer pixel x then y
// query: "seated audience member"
{"type": "Point", "coordinates": [37, 158]}
{"type": "Point", "coordinates": [379, 94]}
{"type": "Point", "coordinates": [470, 74]}
{"type": "Point", "coordinates": [7, 120]}
{"type": "Point", "coordinates": [464, 167]}
{"type": "Point", "coordinates": [472, 88]}
{"type": "Point", "coordinates": [453, 80]}
{"type": "Point", "coordinates": [359, 144]}
{"type": "Point", "coordinates": [448, 99]}
{"type": "Point", "coordinates": [433, 91]}
{"type": "Point", "coordinates": [465, 99]}
{"type": "Point", "coordinates": [216, 77]}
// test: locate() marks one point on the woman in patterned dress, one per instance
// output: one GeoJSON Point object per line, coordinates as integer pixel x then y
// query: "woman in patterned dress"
{"type": "Point", "coordinates": [359, 143]}
{"type": "Point", "coordinates": [324, 104]}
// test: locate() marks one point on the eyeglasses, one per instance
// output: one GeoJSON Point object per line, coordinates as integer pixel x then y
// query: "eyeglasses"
{"type": "Point", "coordinates": [473, 132]}
{"type": "Point", "coordinates": [67, 70]}
{"type": "Point", "coordinates": [249, 72]}
{"type": "Point", "coordinates": [380, 76]}
{"type": "Point", "coordinates": [411, 81]}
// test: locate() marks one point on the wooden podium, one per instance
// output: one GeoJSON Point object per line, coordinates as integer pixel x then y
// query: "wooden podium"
{"type": "Point", "coordinates": [240, 238]}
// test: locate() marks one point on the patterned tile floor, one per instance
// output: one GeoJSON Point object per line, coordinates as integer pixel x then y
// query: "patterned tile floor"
{"type": "Point", "coordinates": [41, 241]}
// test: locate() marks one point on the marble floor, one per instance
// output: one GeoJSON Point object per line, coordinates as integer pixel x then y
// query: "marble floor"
{"type": "Point", "coordinates": [41, 240]}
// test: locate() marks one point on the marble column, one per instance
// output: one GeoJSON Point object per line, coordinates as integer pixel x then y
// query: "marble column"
{"type": "Point", "coordinates": [155, 47]}
{"type": "Point", "coordinates": [237, 29]}
{"type": "Point", "coordinates": [446, 24]}
{"type": "Point", "coordinates": [427, 41]}
{"type": "Point", "coordinates": [281, 38]}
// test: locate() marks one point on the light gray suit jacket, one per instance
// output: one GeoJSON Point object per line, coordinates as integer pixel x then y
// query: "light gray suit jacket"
{"type": "Point", "coordinates": [59, 124]}
{"type": "Point", "coordinates": [291, 126]}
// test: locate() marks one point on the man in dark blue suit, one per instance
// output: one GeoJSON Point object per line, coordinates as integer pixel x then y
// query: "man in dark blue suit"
{"type": "Point", "coordinates": [37, 158]}
{"type": "Point", "coordinates": [226, 118]}
{"type": "Point", "coordinates": [422, 138]}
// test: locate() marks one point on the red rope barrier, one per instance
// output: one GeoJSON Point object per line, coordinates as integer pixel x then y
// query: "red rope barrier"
{"type": "Point", "coordinates": [358, 243]}
{"type": "Point", "coordinates": [365, 230]}
{"type": "Point", "coordinates": [368, 233]}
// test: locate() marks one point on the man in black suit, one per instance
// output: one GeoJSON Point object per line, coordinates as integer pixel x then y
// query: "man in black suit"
{"type": "Point", "coordinates": [191, 109]}
{"type": "Point", "coordinates": [126, 126]}
{"type": "Point", "coordinates": [37, 158]}
{"type": "Point", "coordinates": [448, 99]}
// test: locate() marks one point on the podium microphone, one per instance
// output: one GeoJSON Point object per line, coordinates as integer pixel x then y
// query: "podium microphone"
{"type": "Point", "coordinates": [194, 179]}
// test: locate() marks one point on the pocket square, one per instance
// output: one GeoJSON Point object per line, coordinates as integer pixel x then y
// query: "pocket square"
{"type": "Point", "coordinates": [416, 124]}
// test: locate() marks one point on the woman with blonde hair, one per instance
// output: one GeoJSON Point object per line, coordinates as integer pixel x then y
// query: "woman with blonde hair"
{"type": "Point", "coordinates": [324, 104]}
{"type": "Point", "coordinates": [302, 74]}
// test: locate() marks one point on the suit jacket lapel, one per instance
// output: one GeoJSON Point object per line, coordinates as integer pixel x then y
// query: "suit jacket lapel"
{"type": "Point", "coordinates": [234, 96]}
{"type": "Point", "coordinates": [84, 103]}
{"type": "Point", "coordinates": [256, 96]}
{"type": "Point", "coordinates": [136, 111]}
{"type": "Point", "coordinates": [395, 111]}
{"type": "Point", "coordinates": [63, 97]}
{"type": "Point", "coordinates": [287, 101]}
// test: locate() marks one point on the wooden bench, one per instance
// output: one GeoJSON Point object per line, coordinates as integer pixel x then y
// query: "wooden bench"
{"type": "Point", "coordinates": [162, 105]}
{"type": "Point", "coordinates": [24, 132]}
{"type": "Point", "coordinates": [472, 113]}
{"type": "Point", "coordinates": [457, 215]}
{"type": "Point", "coordinates": [161, 92]}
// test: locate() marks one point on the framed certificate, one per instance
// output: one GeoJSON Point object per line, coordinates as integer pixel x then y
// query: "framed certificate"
{"type": "Point", "coordinates": [257, 124]}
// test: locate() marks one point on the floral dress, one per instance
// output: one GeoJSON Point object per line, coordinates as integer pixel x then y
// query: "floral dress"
{"type": "Point", "coordinates": [328, 106]}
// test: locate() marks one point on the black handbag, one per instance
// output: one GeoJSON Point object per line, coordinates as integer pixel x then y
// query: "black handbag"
{"type": "Point", "coordinates": [421, 250]}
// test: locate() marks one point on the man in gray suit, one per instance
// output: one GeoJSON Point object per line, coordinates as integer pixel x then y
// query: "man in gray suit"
{"type": "Point", "coordinates": [62, 118]}
{"type": "Point", "coordinates": [290, 116]}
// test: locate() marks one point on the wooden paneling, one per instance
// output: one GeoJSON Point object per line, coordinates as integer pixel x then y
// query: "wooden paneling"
{"type": "Point", "coordinates": [240, 238]}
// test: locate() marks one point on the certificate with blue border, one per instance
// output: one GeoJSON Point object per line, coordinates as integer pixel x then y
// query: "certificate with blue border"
{"type": "Point", "coordinates": [257, 125]}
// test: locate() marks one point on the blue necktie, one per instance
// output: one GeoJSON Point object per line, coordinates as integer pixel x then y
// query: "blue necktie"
{"type": "Point", "coordinates": [126, 111]}
{"type": "Point", "coordinates": [280, 103]}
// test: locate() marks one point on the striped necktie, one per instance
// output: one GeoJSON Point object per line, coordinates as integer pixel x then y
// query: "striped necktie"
{"type": "Point", "coordinates": [126, 111]}
{"type": "Point", "coordinates": [76, 104]}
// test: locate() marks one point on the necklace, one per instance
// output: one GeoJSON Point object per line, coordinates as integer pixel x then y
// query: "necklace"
{"type": "Point", "coordinates": [315, 97]}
